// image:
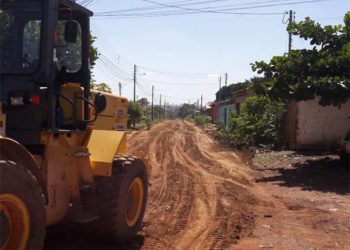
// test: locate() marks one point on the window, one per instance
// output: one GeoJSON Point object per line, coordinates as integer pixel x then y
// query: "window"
{"type": "Point", "coordinates": [31, 44]}
{"type": "Point", "coordinates": [68, 55]}
{"type": "Point", "coordinates": [19, 39]}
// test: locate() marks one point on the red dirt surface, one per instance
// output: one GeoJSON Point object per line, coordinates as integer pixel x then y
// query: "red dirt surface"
{"type": "Point", "coordinates": [205, 196]}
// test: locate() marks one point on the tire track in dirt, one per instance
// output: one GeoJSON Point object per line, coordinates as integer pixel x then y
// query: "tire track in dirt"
{"type": "Point", "coordinates": [199, 194]}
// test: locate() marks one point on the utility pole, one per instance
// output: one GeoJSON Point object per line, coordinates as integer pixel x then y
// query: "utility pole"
{"type": "Point", "coordinates": [152, 100]}
{"type": "Point", "coordinates": [291, 19]}
{"type": "Point", "coordinates": [134, 92]}
{"type": "Point", "coordinates": [201, 103]}
{"type": "Point", "coordinates": [164, 109]}
{"type": "Point", "coordinates": [219, 82]}
{"type": "Point", "coordinates": [160, 107]}
{"type": "Point", "coordinates": [225, 91]}
{"type": "Point", "coordinates": [120, 88]}
{"type": "Point", "coordinates": [134, 82]}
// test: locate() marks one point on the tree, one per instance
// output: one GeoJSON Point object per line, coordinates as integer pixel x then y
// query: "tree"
{"type": "Point", "coordinates": [93, 52]}
{"type": "Point", "coordinates": [226, 92]}
{"type": "Point", "coordinates": [321, 71]}
{"type": "Point", "coordinates": [135, 113]}
{"type": "Point", "coordinates": [186, 110]}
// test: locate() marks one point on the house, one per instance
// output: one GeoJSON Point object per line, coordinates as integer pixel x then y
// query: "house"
{"type": "Point", "coordinates": [226, 108]}
{"type": "Point", "coordinates": [221, 110]}
{"type": "Point", "coordinates": [240, 96]}
{"type": "Point", "coordinates": [308, 125]}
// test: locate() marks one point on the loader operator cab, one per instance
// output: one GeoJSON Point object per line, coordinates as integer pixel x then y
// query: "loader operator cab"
{"type": "Point", "coordinates": [44, 68]}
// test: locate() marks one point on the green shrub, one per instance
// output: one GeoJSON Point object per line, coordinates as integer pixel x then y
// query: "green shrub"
{"type": "Point", "coordinates": [259, 122]}
{"type": "Point", "coordinates": [202, 119]}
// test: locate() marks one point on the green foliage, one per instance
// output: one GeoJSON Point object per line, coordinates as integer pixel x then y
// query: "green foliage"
{"type": "Point", "coordinates": [321, 71]}
{"type": "Point", "coordinates": [202, 119]}
{"type": "Point", "coordinates": [134, 111]}
{"type": "Point", "coordinates": [223, 134]}
{"type": "Point", "coordinates": [259, 122]}
{"type": "Point", "coordinates": [186, 110]}
{"type": "Point", "coordinates": [225, 93]}
{"type": "Point", "coordinates": [93, 52]}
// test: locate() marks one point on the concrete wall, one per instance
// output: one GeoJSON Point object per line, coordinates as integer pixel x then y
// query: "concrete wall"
{"type": "Point", "coordinates": [315, 126]}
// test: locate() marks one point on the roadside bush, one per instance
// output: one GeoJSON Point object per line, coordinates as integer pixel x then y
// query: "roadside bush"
{"type": "Point", "coordinates": [202, 119]}
{"type": "Point", "coordinates": [259, 122]}
{"type": "Point", "coordinates": [223, 134]}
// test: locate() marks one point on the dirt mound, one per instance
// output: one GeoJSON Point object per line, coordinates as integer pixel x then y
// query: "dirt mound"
{"type": "Point", "coordinates": [200, 194]}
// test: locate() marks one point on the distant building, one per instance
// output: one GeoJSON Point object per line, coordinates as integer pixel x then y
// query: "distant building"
{"type": "Point", "coordinates": [239, 97]}
{"type": "Point", "coordinates": [221, 111]}
{"type": "Point", "coordinates": [308, 125]}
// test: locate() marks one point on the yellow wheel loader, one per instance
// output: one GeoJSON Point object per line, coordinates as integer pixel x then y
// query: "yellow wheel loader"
{"type": "Point", "coordinates": [62, 145]}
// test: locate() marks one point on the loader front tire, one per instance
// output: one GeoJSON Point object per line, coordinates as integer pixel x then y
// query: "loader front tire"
{"type": "Point", "coordinates": [22, 209]}
{"type": "Point", "coordinates": [121, 200]}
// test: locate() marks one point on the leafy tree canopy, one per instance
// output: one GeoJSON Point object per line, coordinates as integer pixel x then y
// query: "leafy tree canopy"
{"type": "Point", "coordinates": [226, 93]}
{"type": "Point", "coordinates": [134, 111]}
{"type": "Point", "coordinates": [93, 52]}
{"type": "Point", "coordinates": [186, 110]}
{"type": "Point", "coordinates": [322, 70]}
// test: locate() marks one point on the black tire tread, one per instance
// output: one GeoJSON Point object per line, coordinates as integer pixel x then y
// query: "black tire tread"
{"type": "Point", "coordinates": [108, 192]}
{"type": "Point", "coordinates": [35, 204]}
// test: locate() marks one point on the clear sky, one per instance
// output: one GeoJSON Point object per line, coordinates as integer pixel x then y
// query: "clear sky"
{"type": "Point", "coordinates": [197, 47]}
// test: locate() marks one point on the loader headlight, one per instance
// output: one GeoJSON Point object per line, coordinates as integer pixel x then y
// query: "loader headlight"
{"type": "Point", "coordinates": [17, 100]}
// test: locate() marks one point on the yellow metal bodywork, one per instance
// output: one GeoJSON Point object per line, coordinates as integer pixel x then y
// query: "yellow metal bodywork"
{"type": "Point", "coordinates": [70, 90]}
{"type": "Point", "coordinates": [73, 157]}
{"type": "Point", "coordinates": [67, 164]}
{"type": "Point", "coordinates": [115, 116]}
{"type": "Point", "coordinates": [103, 145]}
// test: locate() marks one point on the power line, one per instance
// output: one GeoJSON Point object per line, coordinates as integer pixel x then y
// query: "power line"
{"type": "Point", "coordinates": [143, 90]}
{"type": "Point", "coordinates": [182, 84]}
{"type": "Point", "coordinates": [176, 74]}
{"type": "Point", "coordinates": [217, 10]}
{"type": "Point", "coordinates": [180, 6]}
{"type": "Point", "coordinates": [121, 72]}
{"type": "Point", "coordinates": [113, 68]}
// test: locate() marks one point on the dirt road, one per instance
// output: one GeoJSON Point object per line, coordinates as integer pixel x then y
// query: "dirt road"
{"type": "Point", "coordinates": [205, 196]}
{"type": "Point", "coordinates": [200, 195]}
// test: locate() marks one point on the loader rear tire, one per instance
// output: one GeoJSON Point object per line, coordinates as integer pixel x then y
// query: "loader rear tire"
{"type": "Point", "coordinates": [121, 200]}
{"type": "Point", "coordinates": [22, 209]}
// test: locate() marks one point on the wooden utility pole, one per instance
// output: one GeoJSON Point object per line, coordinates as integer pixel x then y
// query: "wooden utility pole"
{"type": "Point", "coordinates": [201, 103]}
{"type": "Point", "coordinates": [134, 92]}
{"type": "Point", "coordinates": [152, 100]}
{"type": "Point", "coordinates": [120, 88]}
{"type": "Point", "coordinates": [225, 91]}
{"type": "Point", "coordinates": [164, 109]}
{"type": "Point", "coordinates": [134, 82]}
{"type": "Point", "coordinates": [160, 107]}
{"type": "Point", "coordinates": [291, 19]}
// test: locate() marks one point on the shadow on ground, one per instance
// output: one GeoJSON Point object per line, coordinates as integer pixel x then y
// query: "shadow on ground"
{"type": "Point", "coordinates": [66, 236]}
{"type": "Point", "coordinates": [324, 175]}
